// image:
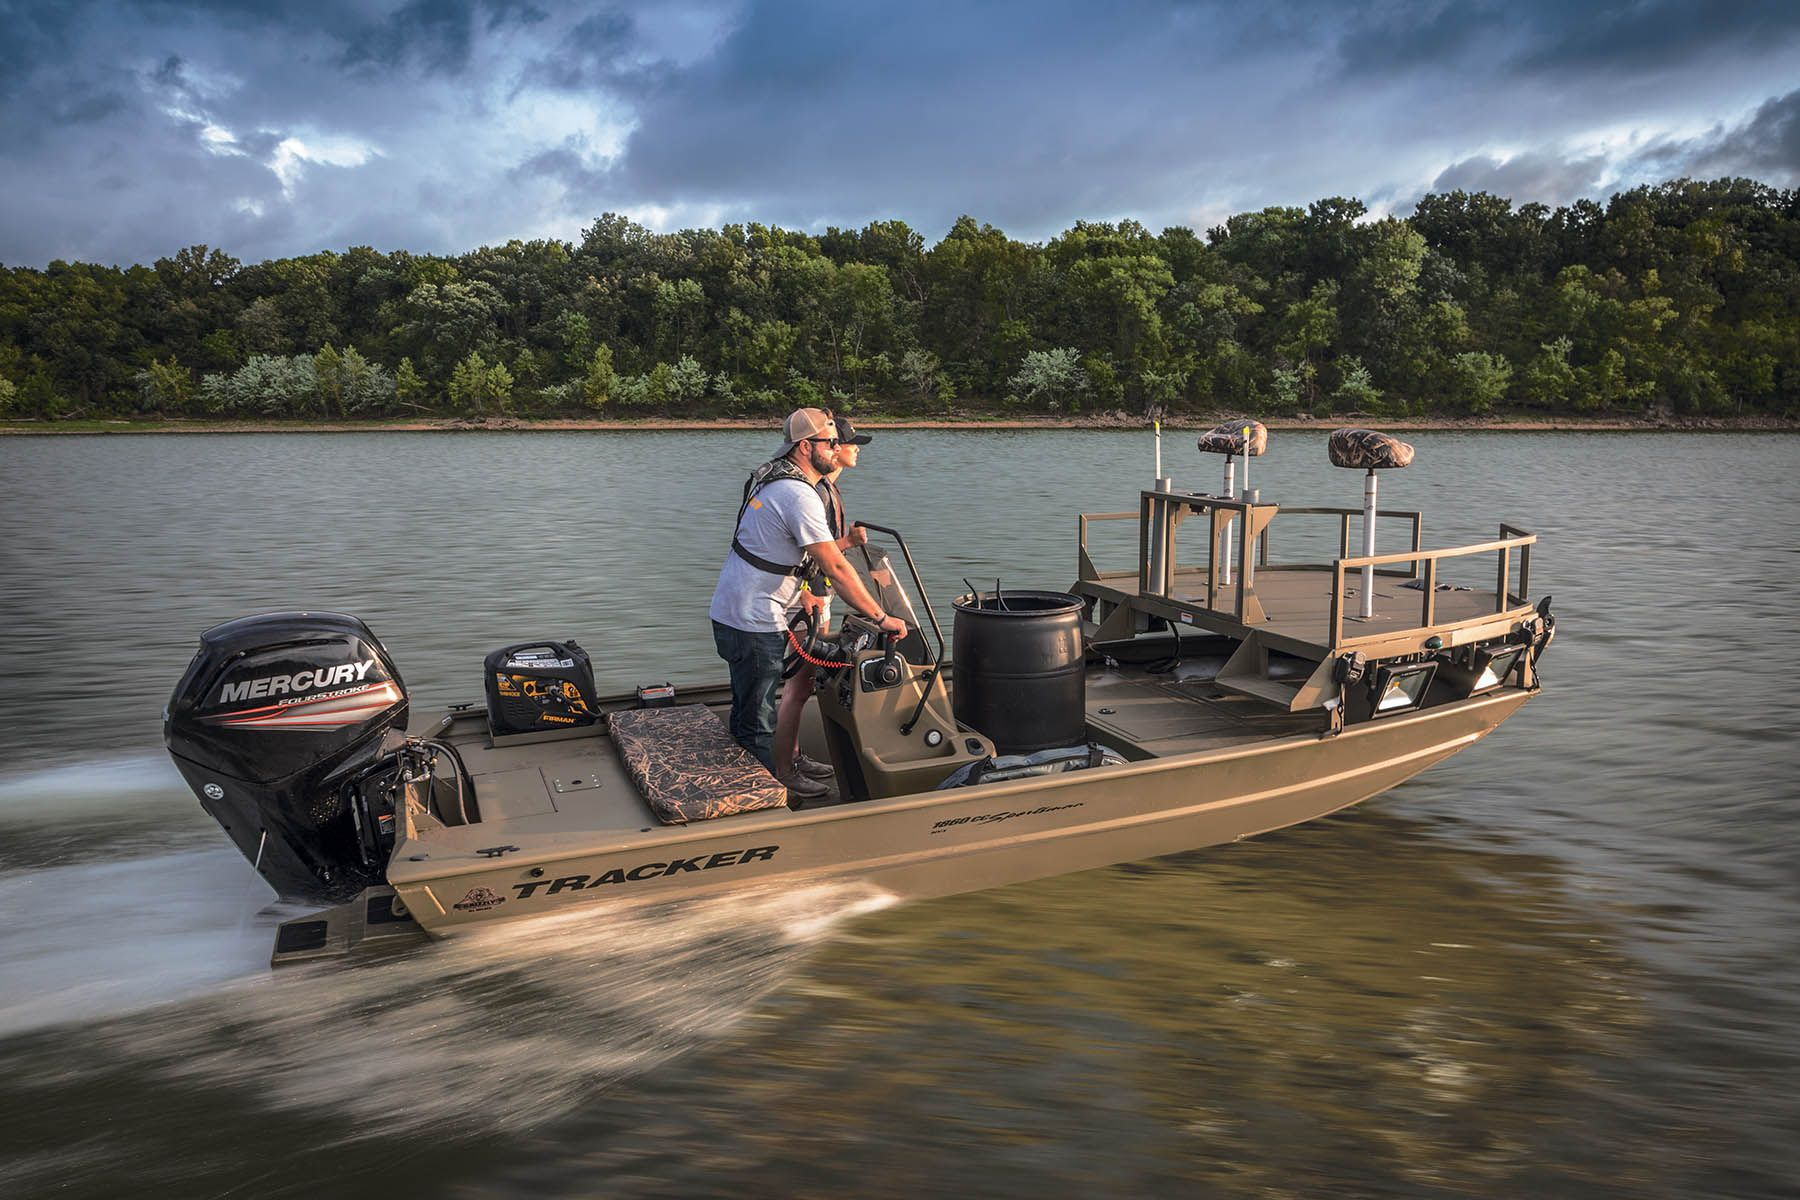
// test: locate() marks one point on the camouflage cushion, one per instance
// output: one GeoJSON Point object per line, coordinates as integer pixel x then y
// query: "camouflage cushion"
{"type": "Point", "coordinates": [687, 767]}
{"type": "Point", "coordinates": [1228, 438]}
{"type": "Point", "coordinates": [1367, 449]}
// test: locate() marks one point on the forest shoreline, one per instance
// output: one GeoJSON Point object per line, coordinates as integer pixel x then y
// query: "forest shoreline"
{"type": "Point", "coordinates": [1535, 423]}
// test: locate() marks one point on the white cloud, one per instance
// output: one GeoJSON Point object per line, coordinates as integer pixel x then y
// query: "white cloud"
{"type": "Point", "coordinates": [292, 155]}
{"type": "Point", "coordinates": [220, 140]}
{"type": "Point", "coordinates": [594, 128]}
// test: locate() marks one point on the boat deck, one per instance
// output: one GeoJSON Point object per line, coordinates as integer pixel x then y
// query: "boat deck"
{"type": "Point", "coordinates": [1291, 606]}
{"type": "Point", "coordinates": [1307, 608]}
{"type": "Point", "coordinates": [1296, 602]}
{"type": "Point", "coordinates": [572, 781]}
{"type": "Point", "coordinates": [1144, 715]}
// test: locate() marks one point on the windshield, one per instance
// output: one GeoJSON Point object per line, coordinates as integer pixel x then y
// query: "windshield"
{"type": "Point", "coordinates": [878, 575]}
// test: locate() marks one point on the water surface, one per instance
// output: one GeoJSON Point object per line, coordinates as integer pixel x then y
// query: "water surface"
{"type": "Point", "coordinates": [1562, 963]}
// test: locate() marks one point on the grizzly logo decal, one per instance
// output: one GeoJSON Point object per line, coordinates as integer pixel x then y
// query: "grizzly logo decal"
{"type": "Point", "coordinates": [649, 870]}
{"type": "Point", "coordinates": [478, 900]}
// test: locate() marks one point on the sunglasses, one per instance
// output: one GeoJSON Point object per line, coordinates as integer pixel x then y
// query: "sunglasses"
{"type": "Point", "coordinates": [832, 442]}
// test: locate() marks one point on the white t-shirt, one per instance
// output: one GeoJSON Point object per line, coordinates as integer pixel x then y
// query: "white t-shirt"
{"type": "Point", "coordinates": [782, 517]}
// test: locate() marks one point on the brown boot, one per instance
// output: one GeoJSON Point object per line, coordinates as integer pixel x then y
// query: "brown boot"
{"type": "Point", "coordinates": [802, 789]}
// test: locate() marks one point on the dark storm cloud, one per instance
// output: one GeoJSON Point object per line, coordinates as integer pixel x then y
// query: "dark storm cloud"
{"type": "Point", "coordinates": [1538, 175]}
{"type": "Point", "coordinates": [1548, 36]}
{"type": "Point", "coordinates": [35, 34]}
{"type": "Point", "coordinates": [283, 126]}
{"type": "Point", "coordinates": [435, 35]}
{"type": "Point", "coordinates": [822, 112]}
{"type": "Point", "coordinates": [1766, 147]}
{"type": "Point", "coordinates": [1419, 35]}
{"type": "Point", "coordinates": [597, 52]}
{"type": "Point", "coordinates": [84, 105]}
{"type": "Point", "coordinates": [1659, 33]}
{"type": "Point", "coordinates": [1039, 114]}
{"type": "Point", "coordinates": [564, 165]}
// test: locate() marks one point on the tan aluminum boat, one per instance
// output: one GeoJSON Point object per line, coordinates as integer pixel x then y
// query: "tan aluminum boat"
{"type": "Point", "coordinates": [1210, 701]}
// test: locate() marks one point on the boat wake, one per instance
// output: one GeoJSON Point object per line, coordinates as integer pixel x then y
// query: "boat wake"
{"type": "Point", "coordinates": [92, 787]}
{"type": "Point", "coordinates": [502, 1028]}
{"type": "Point", "coordinates": [104, 939]}
{"type": "Point", "coordinates": [531, 1018]}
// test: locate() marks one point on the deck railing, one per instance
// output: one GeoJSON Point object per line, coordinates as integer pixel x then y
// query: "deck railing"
{"type": "Point", "coordinates": [1418, 563]}
{"type": "Point", "coordinates": [1086, 568]}
{"type": "Point", "coordinates": [1230, 510]}
{"type": "Point", "coordinates": [1425, 569]}
{"type": "Point", "coordinates": [1415, 520]}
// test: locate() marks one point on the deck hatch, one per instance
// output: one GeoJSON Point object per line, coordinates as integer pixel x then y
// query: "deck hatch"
{"type": "Point", "coordinates": [520, 792]}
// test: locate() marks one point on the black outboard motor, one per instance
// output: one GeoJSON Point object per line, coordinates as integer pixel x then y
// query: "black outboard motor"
{"type": "Point", "coordinates": [285, 725]}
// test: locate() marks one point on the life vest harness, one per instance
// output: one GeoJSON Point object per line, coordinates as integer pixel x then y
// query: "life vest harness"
{"type": "Point", "coordinates": [773, 471]}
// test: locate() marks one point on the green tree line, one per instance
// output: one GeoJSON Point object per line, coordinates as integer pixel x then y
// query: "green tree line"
{"type": "Point", "coordinates": [1677, 298]}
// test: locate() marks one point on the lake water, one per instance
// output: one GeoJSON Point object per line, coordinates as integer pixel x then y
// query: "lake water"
{"type": "Point", "coordinates": [1565, 962]}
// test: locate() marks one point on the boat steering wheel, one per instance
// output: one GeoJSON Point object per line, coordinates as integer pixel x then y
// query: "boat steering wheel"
{"type": "Point", "coordinates": [799, 630]}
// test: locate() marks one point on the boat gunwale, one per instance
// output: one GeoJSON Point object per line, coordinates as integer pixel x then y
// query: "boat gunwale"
{"type": "Point", "coordinates": [781, 819]}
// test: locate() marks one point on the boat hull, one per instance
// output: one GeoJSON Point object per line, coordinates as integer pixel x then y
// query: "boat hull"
{"type": "Point", "coordinates": [962, 840]}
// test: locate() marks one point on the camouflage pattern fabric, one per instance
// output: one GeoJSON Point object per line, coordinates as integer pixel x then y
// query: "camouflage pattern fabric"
{"type": "Point", "coordinates": [686, 766]}
{"type": "Point", "coordinates": [1367, 449]}
{"type": "Point", "coordinates": [776, 468]}
{"type": "Point", "coordinates": [1228, 438]}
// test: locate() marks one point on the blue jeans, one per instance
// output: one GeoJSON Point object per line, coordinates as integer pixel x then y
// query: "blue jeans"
{"type": "Point", "coordinates": [755, 660]}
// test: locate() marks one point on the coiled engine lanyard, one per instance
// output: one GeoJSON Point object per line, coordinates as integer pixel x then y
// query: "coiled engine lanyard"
{"type": "Point", "coordinates": [797, 652]}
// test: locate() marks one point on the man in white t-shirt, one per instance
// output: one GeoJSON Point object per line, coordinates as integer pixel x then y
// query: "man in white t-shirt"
{"type": "Point", "coordinates": [782, 522]}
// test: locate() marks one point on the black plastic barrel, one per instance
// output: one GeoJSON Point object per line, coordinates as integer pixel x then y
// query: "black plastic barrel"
{"type": "Point", "coordinates": [1019, 673]}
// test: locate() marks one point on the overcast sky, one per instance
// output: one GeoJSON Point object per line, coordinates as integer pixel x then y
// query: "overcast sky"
{"type": "Point", "coordinates": [278, 128]}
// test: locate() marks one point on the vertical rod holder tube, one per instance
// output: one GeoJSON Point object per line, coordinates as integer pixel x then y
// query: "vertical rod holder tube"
{"type": "Point", "coordinates": [1159, 540]}
{"type": "Point", "coordinates": [1224, 546]}
{"type": "Point", "coordinates": [1368, 547]}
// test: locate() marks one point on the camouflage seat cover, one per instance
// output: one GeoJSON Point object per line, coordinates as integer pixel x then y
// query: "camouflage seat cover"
{"type": "Point", "coordinates": [1228, 438]}
{"type": "Point", "coordinates": [687, 767]}
{"type": "Point", "coordinates": [1368, 450]}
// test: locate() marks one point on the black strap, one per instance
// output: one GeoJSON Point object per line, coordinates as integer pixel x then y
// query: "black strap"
{"type": "Point", "coordinates": [763, 564]}
{"type": "Point", "coordinates": [773, 471]}
{"type": "Point", "coordinates": [1096, 756]}
{"type": "Point", "coordinates": [834, 505]}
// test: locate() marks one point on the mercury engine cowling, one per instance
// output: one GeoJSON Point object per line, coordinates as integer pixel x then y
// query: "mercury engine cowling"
{"type": "Point", "coordinates": [285, 725]}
